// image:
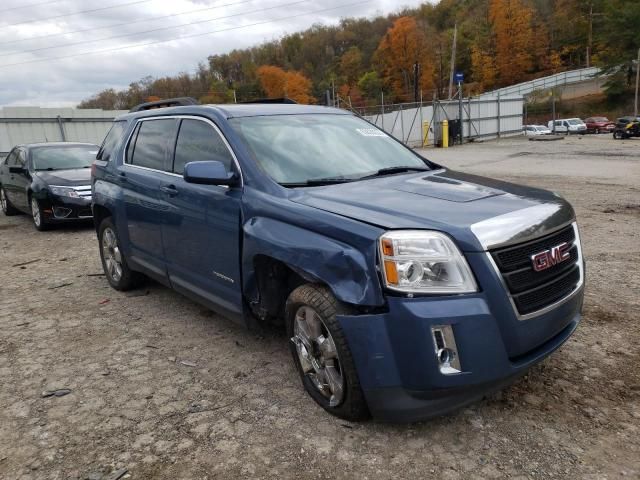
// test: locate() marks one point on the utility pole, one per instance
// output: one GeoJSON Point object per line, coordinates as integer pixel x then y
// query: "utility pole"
{"type": "Point", "coordinates": [453, 59]}
{"type": "Point", "coordinates": [416, 81]}
{"type": "Point", "coordinates": [590, 41]}
{"type": "Point", "coordinates": [635, 110]}
{"type": "Point", "coordinates": [590, 38]}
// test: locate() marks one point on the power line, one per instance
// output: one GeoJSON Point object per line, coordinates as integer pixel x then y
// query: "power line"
{"type": "Point", "coordinates": [77, 13]}
{"type": "Point", "coordinates": [19, 52]}
{"type": "Point", "coordinates": [138, 45]}
{"type": "Point", "coordinates": [30, 5]}
{"type": "Point", "coordinates": [149, 19]}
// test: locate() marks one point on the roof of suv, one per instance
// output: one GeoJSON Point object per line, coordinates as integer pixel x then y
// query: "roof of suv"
{"type": "Point", "coordinates": [243, 110]}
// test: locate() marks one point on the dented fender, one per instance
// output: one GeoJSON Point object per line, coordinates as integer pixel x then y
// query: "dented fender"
{"type": "Point", "coordinates": [342, 267]}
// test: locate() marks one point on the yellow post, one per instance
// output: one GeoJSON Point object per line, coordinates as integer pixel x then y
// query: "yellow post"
{"type": "Point", "coordinates": [425, 134]}
{"type": "Point", "coordinates": [445, 134]}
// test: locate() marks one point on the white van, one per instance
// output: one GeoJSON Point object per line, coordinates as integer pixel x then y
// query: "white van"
{"type": "Point", "coordinates": [568, 126]}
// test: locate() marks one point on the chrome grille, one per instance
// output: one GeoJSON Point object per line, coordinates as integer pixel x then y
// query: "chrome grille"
{"type": "Point", "coordinates": [84, 191]}
{"type": "Point", "coordinates": [532, 292]}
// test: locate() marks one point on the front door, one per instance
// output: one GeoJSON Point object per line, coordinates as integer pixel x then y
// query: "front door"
{"type": "Point", "coordinates": [201, 234]}
{"type": "Point", "coordinates": [146, 168]}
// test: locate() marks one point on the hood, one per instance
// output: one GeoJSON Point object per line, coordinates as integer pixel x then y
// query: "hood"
{"type": "Point", "coordinates": [479, 212]}
{"type": "Point", "coordinates": [72, 178]}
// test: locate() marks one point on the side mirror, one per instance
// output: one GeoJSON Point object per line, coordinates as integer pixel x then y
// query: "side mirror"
{"type": "Point", "coordinates": [210, 172]}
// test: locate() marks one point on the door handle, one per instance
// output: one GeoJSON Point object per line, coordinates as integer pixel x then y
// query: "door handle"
{"type": "Point", "coordinates": [123, 177]}
{"type": "Point", "coordinates": [170, 190]}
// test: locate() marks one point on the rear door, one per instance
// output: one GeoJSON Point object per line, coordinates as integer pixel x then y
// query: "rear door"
{"type": "Point", "coordinates": [22, 179]}
{"type": "Point", "coordinates": [201, 233]}
{"type": "Point", "coordinates": [147, 167]}
{"type": "Point", "coordinates": [7, 177]}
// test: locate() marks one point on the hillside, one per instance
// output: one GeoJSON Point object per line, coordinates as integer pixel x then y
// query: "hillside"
{"type": "Point", "coordinates": [499, 42]}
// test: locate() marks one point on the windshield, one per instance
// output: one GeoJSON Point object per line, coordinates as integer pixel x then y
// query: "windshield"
{"type": "Point", "coordinates": [297, 149]}
{"type": "Point", "coordinates": [62, 158]}
{"type": "Point", "coordinates": [600, 119]}
{"type": "Point", "coordinates": [575, 121]}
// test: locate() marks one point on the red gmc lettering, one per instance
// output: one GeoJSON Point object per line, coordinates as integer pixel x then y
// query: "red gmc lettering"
{"type": "Point", "coordinates": [549, 258]}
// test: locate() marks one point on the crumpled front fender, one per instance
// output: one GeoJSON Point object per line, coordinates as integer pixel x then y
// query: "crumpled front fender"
{"type": "Point", "coordinates": [343, 268]}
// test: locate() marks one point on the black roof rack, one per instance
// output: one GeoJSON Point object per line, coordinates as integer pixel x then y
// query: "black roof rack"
{"type": "Point", "coordinates": [272, 100]}
{"type": "Point", "coordinates": [168, 102]}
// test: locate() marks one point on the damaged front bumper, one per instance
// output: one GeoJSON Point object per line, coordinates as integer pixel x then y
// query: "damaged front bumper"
{"type": "Point", "coordinates": [397, 359]}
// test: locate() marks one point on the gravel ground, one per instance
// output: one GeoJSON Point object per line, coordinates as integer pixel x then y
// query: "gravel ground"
{"type": "Point", "coordinates": [165, 389]}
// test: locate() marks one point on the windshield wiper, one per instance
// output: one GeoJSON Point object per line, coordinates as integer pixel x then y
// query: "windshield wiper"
{"type": "Point", "coordinates": [392, 170]}
{"type": "Point", "coordinates": [315, 182]}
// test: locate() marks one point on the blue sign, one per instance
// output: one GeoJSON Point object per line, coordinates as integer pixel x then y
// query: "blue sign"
{"type": "Point", "coordinates": [459, 76]}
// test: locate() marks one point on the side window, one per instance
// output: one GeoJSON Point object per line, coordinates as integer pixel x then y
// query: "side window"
{"type": "Point", "coordinates": [199, 141]}
{"type": "Point", "coordinates": [132, 144]}
{"type": "Point", "coordinates": [21, 160]}
{"type": "Point", "coordinates": [111, 141]}
{"type": "Point", "coordinates": [154, 144]}
{"type": "Point", "coordinates": [11, 159]}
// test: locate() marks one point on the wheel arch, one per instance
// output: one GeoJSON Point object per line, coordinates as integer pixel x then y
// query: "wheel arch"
{"type": "Point", "coordinates": [289, 255]}
{"type": "Point", "coordinates": [100, 212]}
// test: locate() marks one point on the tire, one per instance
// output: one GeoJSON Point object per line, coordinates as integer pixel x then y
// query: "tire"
{"type": "Point", "coordinates": [114, 263]}
{"type": "Point", "coordinates": [37, 215]}
{"type": "Point", "coordinates": [337, 365]}
{"type": "Point", "coordinates": [7, 208]}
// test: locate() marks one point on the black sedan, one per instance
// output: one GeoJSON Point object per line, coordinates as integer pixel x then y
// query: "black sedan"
{"type": "Point", "coordinates": [49, 181]}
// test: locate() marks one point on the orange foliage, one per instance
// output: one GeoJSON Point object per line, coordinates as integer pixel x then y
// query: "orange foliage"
{"type": "Point", "coordinates": [514, 39]}
{"type": "Point", "coordinates": [272, 80]}
{"type": "Point", "coordinates": [403, 45]}
{"type": "Point", "coordinates": [277, 83]}
{"type": "Point", "coordinates": [152, 98]}
{"type": "Point", "coordinates": [484, 67]}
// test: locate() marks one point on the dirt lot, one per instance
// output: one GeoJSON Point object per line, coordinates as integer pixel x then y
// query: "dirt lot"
{"type": "Point", "coordinates": [166, 389]}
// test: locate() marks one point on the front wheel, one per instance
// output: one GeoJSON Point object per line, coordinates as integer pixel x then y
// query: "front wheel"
{"type": "Point", "coordinates": [321, 354]}
{"type": "Point", "coordinates": [114, 264]}
{"type": "Point", "coordinates": [37, 215]}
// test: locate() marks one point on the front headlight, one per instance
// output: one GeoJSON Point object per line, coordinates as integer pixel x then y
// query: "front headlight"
{"type": "Point", "coordinates": [421, 261]}
{"type": "Point", "coordinates": [64, 192]}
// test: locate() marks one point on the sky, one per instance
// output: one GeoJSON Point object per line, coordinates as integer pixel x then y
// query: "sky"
{"type": "Point", "coordinates": [52, 53]}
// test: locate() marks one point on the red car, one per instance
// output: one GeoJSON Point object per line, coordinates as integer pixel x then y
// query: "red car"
{"type": "Point", "coordinates": [599, 125]}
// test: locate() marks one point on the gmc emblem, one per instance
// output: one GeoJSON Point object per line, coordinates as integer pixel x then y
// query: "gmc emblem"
{"type": "Point", "coordinates": [549, 258]}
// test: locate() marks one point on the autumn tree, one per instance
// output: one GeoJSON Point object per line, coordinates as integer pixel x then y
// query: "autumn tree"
{"type": "Point", "coordinates": [484, 66]}
{"type": "Point", "coordinates": [277, 83]}
{"type": "Point", "coordinates": [403, 46]}
{"type": "Point", "coordinates": [350, 65]}
{"type": "Point", "coordinates": [514, 38]}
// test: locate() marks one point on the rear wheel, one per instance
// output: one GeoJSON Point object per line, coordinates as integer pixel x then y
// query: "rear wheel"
{"type": "Point", "coordinates": [7, 208]}
{"type": "Point", "coordinates": [321, 353]}
{"type": "Point", "coordinates": [114, 263]}
{"type": "Point", "coordinates": [38, 216]}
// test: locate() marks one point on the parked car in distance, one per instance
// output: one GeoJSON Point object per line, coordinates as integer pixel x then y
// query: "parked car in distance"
{"type": "Point", "coordinates": [536, 130]}
{"type": "Point", "coordinates": [49, 181]}
{"type": "Point", "coordinates": [407, 289]}
{"type": "Point", "coordinates": [627, 127]}
{"type": "Point", "coordinates": [599, 125]}
{"type": "Point", "coordinates": [568, 126]}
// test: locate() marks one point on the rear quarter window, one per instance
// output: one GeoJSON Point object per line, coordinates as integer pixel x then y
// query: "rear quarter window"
{"type": "Point", "coordinates": [111, 141]}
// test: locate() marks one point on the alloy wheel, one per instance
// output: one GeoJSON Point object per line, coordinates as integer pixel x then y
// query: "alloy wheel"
{"type": "Point", "coordinates": [111, 254]}
{"type": "Point", "coordinates": [35, 211]}
{"type": "Point", "coordinates": [318, 354]}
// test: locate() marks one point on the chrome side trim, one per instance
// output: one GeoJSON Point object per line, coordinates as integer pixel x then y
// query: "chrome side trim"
{"type": "Point", "coordinates": [523, 225]}
{"type": "Point", "coordinates": [548, 308]}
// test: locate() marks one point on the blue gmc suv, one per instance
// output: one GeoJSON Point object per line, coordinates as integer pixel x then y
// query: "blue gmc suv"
{"type": "Point", "coordinates": [407, 289]}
